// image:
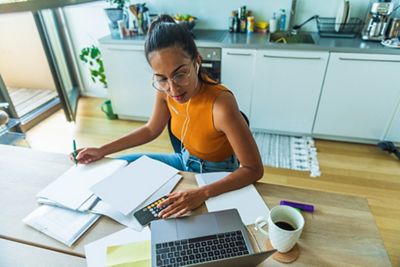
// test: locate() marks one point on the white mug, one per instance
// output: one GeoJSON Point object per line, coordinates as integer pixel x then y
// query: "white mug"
{"type": "Point", "coordinates": [285, 225]}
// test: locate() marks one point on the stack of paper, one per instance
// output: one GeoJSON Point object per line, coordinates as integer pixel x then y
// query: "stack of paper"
{"type": "Point", "coordinates": [61, 224]}
{"type": "Point", "coordinates": [127, 188]}
{"type": "Point", "coordinates": [72, 189]}
{"type": "Point", "coordinates": [129, 220]}
{"type": "Point", "coordinates": [253, 206]}
{"type": "Point", "coordinates": [107, 187]}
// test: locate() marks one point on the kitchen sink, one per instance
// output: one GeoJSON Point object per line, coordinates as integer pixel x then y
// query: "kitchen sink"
{"type": "Point", "coordinates": [284, 37]}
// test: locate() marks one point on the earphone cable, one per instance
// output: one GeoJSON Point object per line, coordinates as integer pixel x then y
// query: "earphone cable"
{"type": "Point", "coordinates": [185, 125]}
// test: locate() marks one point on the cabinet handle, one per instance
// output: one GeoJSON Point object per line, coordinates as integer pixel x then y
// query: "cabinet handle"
{"type": "Point", "coordinates": [238, 54]}
{"type": "Point", "coordinates": [307, 58]}
{"type": "Point", "coordinates": [364, 59]}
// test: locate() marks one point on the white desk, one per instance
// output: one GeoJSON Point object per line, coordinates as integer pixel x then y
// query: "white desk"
{"type": "Point", "coordinates": [15, 254]}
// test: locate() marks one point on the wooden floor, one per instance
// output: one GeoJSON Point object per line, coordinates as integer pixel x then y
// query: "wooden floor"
{"type": "Point", "coordinates": [353, 169]}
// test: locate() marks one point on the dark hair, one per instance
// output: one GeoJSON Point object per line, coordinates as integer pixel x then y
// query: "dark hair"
{"type": "Point", "coordinates": [164, 32]}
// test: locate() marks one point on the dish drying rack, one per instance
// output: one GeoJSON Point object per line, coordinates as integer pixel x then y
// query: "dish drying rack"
{"type": "Point", "coordinates": [327, 27]}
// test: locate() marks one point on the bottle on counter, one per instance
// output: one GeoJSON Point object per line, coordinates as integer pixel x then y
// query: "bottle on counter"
{"type": "Point", "coordinates": [272, 23]}
{"type": "Point", "coordinates": [236, 22]}
{"type": "Point", "coordinates": [233, 21]}
{"type": "Point", "coordinates": [243, 20]}
{"type": "Point", "coordinates": [282, 21]}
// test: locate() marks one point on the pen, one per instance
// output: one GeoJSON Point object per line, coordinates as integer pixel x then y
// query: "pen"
{"type": "Point", "coordinates": [301, 206]}
{"type": "Point", "coordinates": [75, 153]}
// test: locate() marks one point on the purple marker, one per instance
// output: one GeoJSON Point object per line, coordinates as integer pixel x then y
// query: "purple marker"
{"type": "Point", "coordinates": [305, 207]}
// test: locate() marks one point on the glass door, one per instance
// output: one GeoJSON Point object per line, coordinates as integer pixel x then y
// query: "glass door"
{"type": "Point", "coordinates": [56, 43]}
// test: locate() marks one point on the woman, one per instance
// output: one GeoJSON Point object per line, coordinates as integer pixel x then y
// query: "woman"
{"type": "Point", "coordinates": [204, 117]}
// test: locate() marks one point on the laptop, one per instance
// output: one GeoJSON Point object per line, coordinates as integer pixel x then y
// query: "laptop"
{"type": "Point", "coordinates": [212, 239]}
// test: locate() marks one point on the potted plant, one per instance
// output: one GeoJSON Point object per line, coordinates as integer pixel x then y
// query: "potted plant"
{"type": "Point", "coordinates": [92, 56]}
{"type": "Point", "coordinates": [115, 13]}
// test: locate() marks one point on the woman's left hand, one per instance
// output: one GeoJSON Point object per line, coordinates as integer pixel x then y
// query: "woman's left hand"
{"type": "Point", "coordinates": [182, 202]}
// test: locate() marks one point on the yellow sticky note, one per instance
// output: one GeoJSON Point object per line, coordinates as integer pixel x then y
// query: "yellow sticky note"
{"type": "Point", "coordinates": [130, 255]}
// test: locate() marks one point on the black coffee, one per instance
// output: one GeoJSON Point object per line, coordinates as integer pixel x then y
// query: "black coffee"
{"type": "Point", "coordinates": [285, 226]}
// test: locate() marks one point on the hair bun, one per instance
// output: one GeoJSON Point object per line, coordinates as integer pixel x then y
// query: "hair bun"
{"type": "Point", "coordinates": [163, 18]}
{"type": "Point", "coordinates": [166, 18]}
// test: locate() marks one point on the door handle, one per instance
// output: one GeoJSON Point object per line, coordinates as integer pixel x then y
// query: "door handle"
{"type": "Point", "coordinates": [238, 54]}
{"type": "Point", "coordinates": [286, 57]}
{"type": "Point", "coordinates": [364, 59]}
{"type": "Point", "coordinates": [206, 65]}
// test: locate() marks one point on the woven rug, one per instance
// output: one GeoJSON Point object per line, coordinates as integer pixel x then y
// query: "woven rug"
{"type": "Point", "coordinates": [289, 152]}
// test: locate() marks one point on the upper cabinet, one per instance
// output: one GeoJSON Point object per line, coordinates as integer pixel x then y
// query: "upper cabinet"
{"type": "Point", "coordinates": [359, 98]}
{"type": "Point", "coordinates": [237, 74]}
{"type": "Point", "coordinates": [287, 86]}
{"type": "Point", "coordinates": [129, 80]}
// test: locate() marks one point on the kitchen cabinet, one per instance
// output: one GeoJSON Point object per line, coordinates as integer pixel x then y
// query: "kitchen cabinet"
{"type": "Point", "coordinates": [393, 133]}
{"type": "Point", "coordinates": [237, 74]}
{"type": "Point", "coordinates": [287, 86]}
{"type": "Point", "coordinates": [129, 80]}
{"type": "Point", "coordinates": [359, 97]}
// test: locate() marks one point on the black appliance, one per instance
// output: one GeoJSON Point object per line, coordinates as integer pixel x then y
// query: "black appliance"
{"type": "Point", "coordinates": [211, 61]}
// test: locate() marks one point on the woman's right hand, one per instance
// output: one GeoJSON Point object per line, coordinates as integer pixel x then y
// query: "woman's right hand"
{"type": "Point", "coordinates": [88, 155]}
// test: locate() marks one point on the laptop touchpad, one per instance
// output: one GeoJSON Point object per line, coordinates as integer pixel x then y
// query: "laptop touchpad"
{"type": "Point", "coordinates": [194, 226]}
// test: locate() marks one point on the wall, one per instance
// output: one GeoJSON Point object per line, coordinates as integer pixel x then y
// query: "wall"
{"type": "Point", "coordinates": [214, 14]}
{"type": "Point", "coordinates": [87, 23]}
{"type": "Point", "coordinates": [23, 63]}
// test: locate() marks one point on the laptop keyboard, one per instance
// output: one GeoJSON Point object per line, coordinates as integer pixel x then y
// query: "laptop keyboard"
{"type": "Point", "coordinates": [201, 249]}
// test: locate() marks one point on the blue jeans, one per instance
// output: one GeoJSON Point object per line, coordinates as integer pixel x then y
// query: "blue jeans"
{"type": "Point", "coordinates": [185, 162]}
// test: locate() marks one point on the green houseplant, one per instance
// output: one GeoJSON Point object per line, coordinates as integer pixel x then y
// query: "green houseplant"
{"type": "Point", "coordinates": [92, 57]}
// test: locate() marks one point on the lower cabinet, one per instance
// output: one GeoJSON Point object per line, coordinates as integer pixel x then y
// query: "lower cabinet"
{"type": "Point", "coordinates": [287, 86]}
{"type": "Point", "coordinates": [129, 80]}
{"type": "Point", "coordinates": [360, 96]}
{"type": "Point", "coordinates": [237, 74]}
{"type": "Point", "coordinates": [280, 90]}
{"type": "Point", "coordinates": [393, 133]}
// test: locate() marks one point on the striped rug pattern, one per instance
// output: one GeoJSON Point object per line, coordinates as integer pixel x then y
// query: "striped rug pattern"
{"type": "Point", "coordinates": [289, 152]}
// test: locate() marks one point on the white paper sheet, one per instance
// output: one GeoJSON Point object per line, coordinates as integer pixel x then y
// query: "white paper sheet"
{"type": "Point", "coordinates": [71, 189]}
{"type": "Point", "coordinates": [246, 200]}
{"type": "Point", "coordinates": [128, 187]}
{"type": "Point", "coordinates": [130, 220]}
{"type": "Point", "coordinates": [96, 251]}
{"type": "Point", "coordinates": [61, 224]}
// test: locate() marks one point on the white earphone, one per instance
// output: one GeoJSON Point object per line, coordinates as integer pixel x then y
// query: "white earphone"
{"type": "Point", "coordinates": [174, 109]}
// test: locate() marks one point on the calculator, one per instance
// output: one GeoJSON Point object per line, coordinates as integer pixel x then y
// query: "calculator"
{"type": "Point", "coordinates": [150, 212]}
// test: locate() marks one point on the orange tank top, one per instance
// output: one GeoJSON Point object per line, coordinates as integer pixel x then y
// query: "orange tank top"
{"type": "Point", "coordinates": [193, 122]}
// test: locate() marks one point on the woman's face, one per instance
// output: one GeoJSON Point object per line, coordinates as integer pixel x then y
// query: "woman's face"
{"type": "Point", "coordinates": [175, 73]}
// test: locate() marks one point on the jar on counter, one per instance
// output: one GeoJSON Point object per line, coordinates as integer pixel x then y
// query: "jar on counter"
{"type": "Point", "coordinates": [250, 24]}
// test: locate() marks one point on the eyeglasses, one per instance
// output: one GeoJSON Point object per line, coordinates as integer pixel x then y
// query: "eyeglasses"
{"type": "Point", "coordinates": [180, 79]}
